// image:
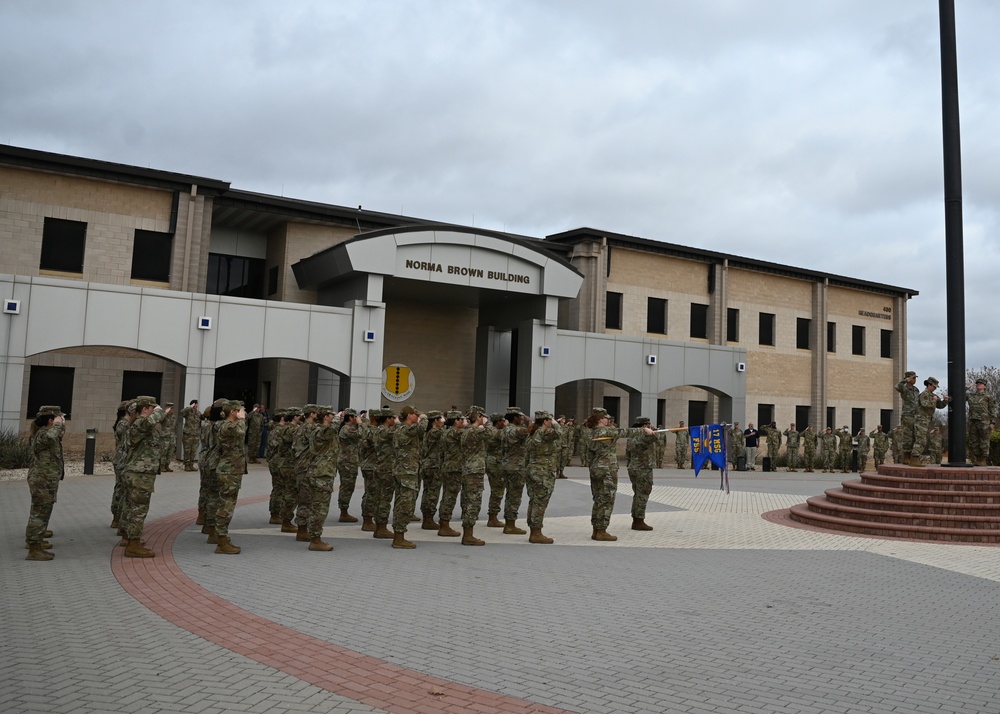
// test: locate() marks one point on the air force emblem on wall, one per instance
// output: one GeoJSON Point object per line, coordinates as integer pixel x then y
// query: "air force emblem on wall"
{"type": "Point", "coordinates": [398, 382]}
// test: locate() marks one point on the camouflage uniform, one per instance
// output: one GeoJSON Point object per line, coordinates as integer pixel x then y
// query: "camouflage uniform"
{"type": "Point", "coordinates": [347, 466]}
{"type": "Point", "coordinates": [737, 443]}
{"type": "Point", "coordinates": [494, 466]}
{"type": "Point", "coordinates": [682, 446]}
{"type": "Point", "coordinates": [896, 444]}
{"type": "Point", "coordinates": [660, 448]}
{"type": "Point", "coordinates": [274, 465]}
{"type": "Point", "coordinates": [383, 483]}
{"type": "Point", "coordinates": [565, 446]}
{"type": "Point", "coordinates": [864, 445]}
{"type": "Point", "coordinates": [792, 448]}
{"type": "Point", "coordinates": [982, 411]}
{"type": "Point", "coordinates": [542, 450]}
{"type": "Point", "coordinates": [189, 435]}
{"type": "Point", "coordinates": [934, 446]}
{"type": "Point", "coordinates": [46, 470]}
{"type": "Point", "coordinates": [844, 447]}
{"type": "Point", "coordinates": [880, 445]}
{"type": "Point", "coordinates": [302, 460]}
{"type": "Point", "coordinates": [603, 461]}
{"type": "Point", "coordinates": [231, 464]}
{"type": "Point", "coordinates": [642, 456]}
{"type": "Point", "coordinates": [255, 428]}
{"type": "Point", "coordinates": [407, 441]}
{"type": "Point", "coordinates": [118, 463]}
{"type": "Point", "coordinates": [514, 467]}
{"type": "Point", "coordinates": [324, 450]}
{"type": "Point", "coordinates": [808, 437]}
{"type": "Point", "coordinates": [910, 395]}
{"type": "Point", "coordinates": [473, 473]}
{"type": "Point", "coordinates": [206, 473]}
{"type": "Point", "coordinates": [430, 468]}
{"type": "Point", "coordinates": [451, 469]}
{"type": "Point", "coordinates": [829, 449]}
{"type": "Point", "coordinates": [168, 438]}
{"type": "Point", "coordinates": [366, 462]}
{"type": "Point", "coordinates": [928, 402]}
{"type": "Point", "coordinates": [142, 464]}
{"type": "Point", "coordinates": [773, 444]}
{"type": "Point", "coordinates": [288, 491]}
{"type": "Point", "coordinates": [583, 438]}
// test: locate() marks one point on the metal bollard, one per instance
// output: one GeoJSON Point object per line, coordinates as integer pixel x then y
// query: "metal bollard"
{"type": "Point", "coordinates": [89, 452]}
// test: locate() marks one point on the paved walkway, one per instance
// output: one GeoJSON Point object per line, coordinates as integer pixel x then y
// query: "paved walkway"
{"type": "Point", "coordinates": [716, 610]}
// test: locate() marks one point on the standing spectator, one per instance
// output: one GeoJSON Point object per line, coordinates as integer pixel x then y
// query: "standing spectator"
{"type": "Point", "coordinates": [792, 447]}
{"type": "Point", "coordinates": [682, 444]}
{"type": "Point", "coordinates": [190, 433]}
{"type": "Point", "coordinates": [982, 410]}
{"type": "Point", "coordinates": [864, 444]}
{"type": "Point", "coordinates": [809, 438]}
{"type": "Point", "coordinates": [880, 445]}
{"type": "Point", "coordinates": [750, 436]}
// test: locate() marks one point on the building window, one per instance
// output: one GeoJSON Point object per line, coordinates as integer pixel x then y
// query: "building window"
{"type": "Point", "coordinates": [802, 415]}
{"type": "Point", "coordinates": [50, 386]}
{"type": "Point", "coordinates": [802, 327]}
{"type": "Point", "coordinates": [272, 281]}
{"type": "Point", "coordinates": [766, 334]}
{"type": "Point", "coordinates": [656, 316]}
{"type": "Point", "coordinates": [857, 340]}
{"type": "Point", "coordinates": [613, 311]}
{"type": "Point", "coordinates": [613, 406]}
{"type": "Point", "coordinates": [699, 321]}
{"type": "Point", "coordinates": [235, 276]}
{"type": "Point", "coordinates": [831, 417]}
{"type": "Point", "coordinates": [887, 344]}
{"type": "Point", "coordinates": [697, 413]}
{"type": "Point", "coordinates": [151, 253]}
{"type": "Point", "coordinates": [732, 325]}
{"type": "Point", "coordinates": [831, 337]}
{"type": "Point", "coordinates": [857, 420]}
{"type": "Point", "coordinates": [885, 419]}
{"type": "Point", "coordinates": [661, 412]}
{"type": "Point", "coordinates": [765, 414]}
{"type": "Point", "coordinates": [63, 244]}
{"type": "Point", "coordinates": [141, 384]}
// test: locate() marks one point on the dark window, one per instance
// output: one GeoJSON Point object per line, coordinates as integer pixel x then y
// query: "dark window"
{"type": "Point", "coordinates": [699, 320]}
{"type": "Point", "coordinates": [613, 311]}
{"type": "Point", "coordinates": [857, 420]}
{"type": "Point", "coordinates": [50, 386]}
{"type": "Point", "coordinates": [766, 335]}
{"type": "Point", "coordinates": [732, 325]}
{"type": "Point", "coordinates": [885, 419]}
{"type": "Point", "coordinates": [696, 413]}
{"type": "Point", "coordinates": [802, 414]}
{"type": "Point", "coordinates": [661, 412]}
{"type": "Point", "coordinates": [656, 316]}
{"type": "Point", "coordinates": [151, 253]}
{"type": "Point", "coordinates": [831, 337]}
{"type": "Point", "coordinates": [831, 417]}
{"type": "Point", "coordinates": [235, 276]}
{"type": "Point", "coordinates": [272, 281]}
{"type": "Point", "coordinates": [765, 414]}
{"type": "Point", "coordinates": [857, 340]}
{"type": "Point", "coordinates": [63, 244]}
{"type": "Point", "coordinates": [887, 344]}
{"type": "Point", "coordinates": [613, 406]}
{"type": "Point", "coordinates": [803, 326]}
{"type": "Point", "coordinates": [141, 384]}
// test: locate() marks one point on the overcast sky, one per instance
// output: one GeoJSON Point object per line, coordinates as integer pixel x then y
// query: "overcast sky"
{"type": "Point", "coordinates": [805, 132]}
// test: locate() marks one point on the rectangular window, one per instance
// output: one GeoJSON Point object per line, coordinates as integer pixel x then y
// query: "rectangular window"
{"type": "Point", "coordinates": [802, 327]}
{"type": "Point", "coordinates": [661, 412]}
{"type": "Point", "coordinates": [613, 311]}
{"type": "Point", "coordinates": [802, 416]}
{"type": "Point", "coordinates": [887, 344]}
{"type": "Point", "coordinates": [141, 384]}
{"type": "Point", "coordinates": [63, 244]}
{"type": "Point", "coordinates": [857, 340]}
{"type": "Point", "coordinates": [656, 316]}
{"type": "Point", "coordinates": [766, 333]}
{"type": "Point", "coordinates": [613, 406]}
{"type": "Point", "coordinates": [235, 276]}
{"type": "Point", "coordinates": [50, 386]}
{"type": "Point", "coordinates": [699, 321]}
{"type": "Point", "coordinates": [765, 415]}
{"type": "Point", "coordinates": [831, 337]}
{"type": "Point", "coordinates": [831, 417]}
{"type": "Point", "coordinates": [732, 325]}
{"type": "Point", "coordinates": [885, 419]}
{"type": "Point", "coordinates": [151, 253]}
{"type": "Point", "coordinates": [696, 413]}
{"type": "Point", "coordinates": [272, 281]}
{"type": "Point", "coordinates": [857, 420]}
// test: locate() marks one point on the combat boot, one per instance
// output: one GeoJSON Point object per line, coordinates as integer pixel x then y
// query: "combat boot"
{"type": "Point", "coordinates": [367, 523]}
{"type": "Point", "coordinates": [302, 535]}
{"type": "Point", "coordinates": [213, 537]}
{"type": "Point", "coordinates": [602, 534]}
{"type": "Point", "coordinates": [382, 531]}
{"type": "Point", "coordinates": [288, 527]}
{"type": "Point", "coordinates": [510, 527]}
{"type": "Point", "coordinates": [188, 467]}
{"type": "Point", "coordinates": [916, 462]}
{"type": "Point", "coordinates": [429, 523]}
{"type": "Point", "coordinates": [200, 520]}
{"type": "Point", "coordinates": [399, 541]}
{"type": "Point", "coordinates": [494, 522]}
{"type": "Point", "coordinates": [226, 547]}
{"type": "Point", "coordinates": [346, 517]}
{"type": "Point", "coordinates": [444, 529]}
{"type": "Point", "coordinates": [538, 537]}
{"type": "Point", "coordinates": [115, 522]}
{"type": "Point", "coordinates": [639, 524]}
{"type": "Point", "coordinates": [135, 549]}
{"type": "Point", "coordinates": [274, 520]}
{"type": "Point", "coordinates": [318, 543]}
{"type": "Point", "coordinates": [469, 539]}
{"type": "Point", "coordinates": [35, 552]}
{"type": "Point", "coordinates": [44, 544]}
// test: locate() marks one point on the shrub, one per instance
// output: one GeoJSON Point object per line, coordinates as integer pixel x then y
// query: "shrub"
{"type": "Point", "coordinates": [15, 451]}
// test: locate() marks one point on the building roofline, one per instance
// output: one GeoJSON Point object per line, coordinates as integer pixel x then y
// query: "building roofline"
{"type": "Point", "coordinates": [710, 256]}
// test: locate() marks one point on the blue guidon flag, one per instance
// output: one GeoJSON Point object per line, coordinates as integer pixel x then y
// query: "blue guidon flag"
{"type": "Point", "coordinates": [708, 443]}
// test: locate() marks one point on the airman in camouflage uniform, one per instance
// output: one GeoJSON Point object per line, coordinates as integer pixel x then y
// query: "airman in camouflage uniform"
{"type": "Point", "coordinates": [430, 470]}
{"type": "Point", "coordinates": [773, 443]}
{"type": "Point", "coordinates": [190, 433]}
{"type": "Point", "coordinates": [407, 440]}
{"type": "Point", "coordinates": [792, 448]}
{"type": "Point", "coordinates": [896, 444]}
{"type": "Point", "coordinates": [682, 445]}
{"type": "Point", "coordinates": [514, 436]}
{"type": "Point", "coordinates": [383, 482]}
{"type": "Point", "coordinates": [927, 403]}
{"type": "Point", "coordinates": [660, 447]}
{"type": "Point", "coordinates": [303, 460]}
{"type": "Point", "coordinates": [737, 443]}
{"type": "Point", "coordinates": [324, 448]}
{"type": "Point", "coordinates": [207, 505]}
{"type": "Point", "coordinates": [122, 421]}
{"type": "Point", "coordinates": [543, 450]}
{"type": "Point", "coordinates": [255, 428]}
{"type": "Point", "coordinates": [142, 464]}
{"type": "Point", "coordinates": [641, 451]}
{"type": "Point", "coordinates": [231, 452]}
{"type": "Point", "coordinates": [982, 411]}
{"type": "Point", "coordinates": [864, 443]}
{"type": "Point", "coordinates": [274, 466]}
{"type": "Point", "coordinates": [473, 440]}
{"type": "Point", "coordinates": [934, 445]}
{"type": "Point", "coordinates": [844, 446]}
{"type": "Point", "coordinates": [289, 487]}
{"type": "Point", "coordinates": [452, 458]}
{"type": "Point", "coordinates": [347, 465]}
{"type": "Point", "coordinates": [809, 437]}
{"type": "Point", "coordinates": [494, 469]}
{"type": "Point", "coordinates": [603, 461]}
{"type": "Point", "coordinates": [168, 438]}
{"type": "Point", "coordinates": [880, 445]}
{"type": "Point", "coordinates": [566, 433]}
{"type": "Point", "coordinates": [46, 471]}
{"type": "Point", "coordinates": [366, 462]}
{"type": "Point", "coordinates": [829, 449]}
{"type": "Point", "coordinates": [910, 396]}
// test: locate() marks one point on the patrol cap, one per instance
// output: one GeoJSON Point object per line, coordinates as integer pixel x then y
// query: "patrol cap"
{"type": "Point", "coordinates": [49, 410]}
{"type": "Point", "coordinates": [931, 380]}
{"type": "Point", "coordinates": [514, 410]}
{"type": "Point", "coordinates": [310, 408]}
{"type": "Point", "coordinates": [454, 415]}
{"type": "Point", "coordinates": [476, 410]}
{"type": "Point", "coordinates": [124, 405]}
{"type": "Point", "coordinates": [387, 413]}
{"type": "Point", "coordinates": [641, 421]}
{"type": "Point", "coordinates": [542, 414]}
{"type": "Point", "coordinates": [407, 410]}
{"type": "Point", "coordinates": [169, 404]}
{"type": "Point", "coordinates": [348, 413]}
{"type": "Point", "coordinates": [981, 381]}
{"type": "Point", "coordinates": [497, 416]}
{"type": "Point", "coordinates": [292, 411]}
{"type": "Point", "coordinates": [141, 402]}
{"type": "Point", "coordinates": [324, 409]}
{"type": "Point", "coordinates": [909, 374]}
{"type": "Point", "coordinates": [278, 413]}
{"type": "Point", "coordinates": [220, 402]}
{"type": "Point", "coordinates": [232, 405]}
{"type": "Point", "coordinates": [434, 414]}
{"type": "Point", "coordinates": [599, 412]}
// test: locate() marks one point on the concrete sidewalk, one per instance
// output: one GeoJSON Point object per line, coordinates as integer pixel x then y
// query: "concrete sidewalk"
{"type": "Point", "coordinates": [716, 610]}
